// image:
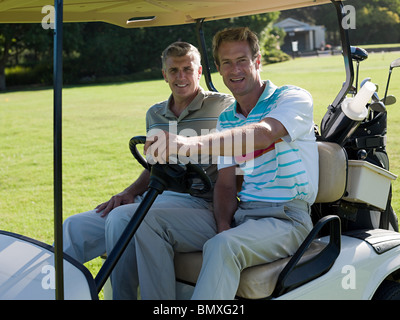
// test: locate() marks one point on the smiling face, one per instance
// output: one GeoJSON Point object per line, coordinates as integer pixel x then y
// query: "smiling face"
{"type": "Point", "coordinates": [183, 76]}
{"type": "Point", "coordinates": [238, 68]}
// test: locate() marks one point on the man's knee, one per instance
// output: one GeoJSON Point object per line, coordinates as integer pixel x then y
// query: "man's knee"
{"type": "Point", "coordinates": [72, 223]}
{"type": "Point", "coordinates": [119, 217]}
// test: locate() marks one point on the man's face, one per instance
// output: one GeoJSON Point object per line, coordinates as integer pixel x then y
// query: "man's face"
{"type": "Point", "coordinates": [238, 68]}
{"type": "Point", "coordinates": [183, 76]}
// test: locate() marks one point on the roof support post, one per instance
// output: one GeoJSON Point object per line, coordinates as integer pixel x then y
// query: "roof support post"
{"type": "Point", "coordinates": [57, 149]}
{"type": "Point", "coordinates": [203, 51]}
{"type": "Point", "coordinates": [330, 117]}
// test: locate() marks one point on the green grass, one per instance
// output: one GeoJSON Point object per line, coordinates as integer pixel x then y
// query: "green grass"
{"type": "Point", "coordinates": [384, 45]}
{"type": "Point", "coordinates": [98, 122]}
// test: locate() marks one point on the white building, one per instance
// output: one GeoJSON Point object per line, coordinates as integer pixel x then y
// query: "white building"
{"type": "Point", "coordinates": [308, 37]}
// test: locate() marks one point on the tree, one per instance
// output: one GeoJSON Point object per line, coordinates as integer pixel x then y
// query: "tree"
{"type": "Point", "coordinates": [31, 46]}
{"type": "Point", "coordinates": [10, 38]}
{"type": "Point", "coordinates": [5, 45]}
{"type": "Point", "coordinates": [21, 44]}
{"type": "Point", "coordinates": [376, 21]}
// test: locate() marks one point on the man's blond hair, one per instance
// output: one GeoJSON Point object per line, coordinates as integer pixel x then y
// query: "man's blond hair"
{"type": "Point", "coordinates": [235, 34]}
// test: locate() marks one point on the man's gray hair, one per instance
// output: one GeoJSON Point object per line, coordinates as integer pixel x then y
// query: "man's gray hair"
{"type": "Point", "coordinates": [180, 49]}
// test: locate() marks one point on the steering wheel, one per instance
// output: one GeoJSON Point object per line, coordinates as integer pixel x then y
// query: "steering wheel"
{"type": "Point", "coordinates": [175, 177]}
{"type": "Point", "coordinates": [138, 156]}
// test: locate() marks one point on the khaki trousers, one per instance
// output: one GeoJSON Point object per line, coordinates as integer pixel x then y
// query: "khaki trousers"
{"type": "Point", "coordinates": [181, 223]}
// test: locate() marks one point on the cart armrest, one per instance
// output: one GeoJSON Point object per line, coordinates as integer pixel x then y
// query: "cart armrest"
{"type": "Point", "coordinates": [294, 274]}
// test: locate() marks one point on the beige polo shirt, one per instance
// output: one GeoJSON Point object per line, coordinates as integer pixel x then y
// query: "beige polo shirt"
{"type": "Point", "coordinates": [199, 118]}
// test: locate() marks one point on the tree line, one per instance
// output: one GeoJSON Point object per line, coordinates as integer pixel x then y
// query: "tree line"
{"type": "Point", "coordinates": [97, 51]}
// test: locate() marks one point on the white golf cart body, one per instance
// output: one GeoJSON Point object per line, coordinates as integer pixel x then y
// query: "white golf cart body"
{"type": "Point", "coordinates": [332, 266]}
{"type": "Point", "coordinates": [357, 273]}
{"type": "Point", "coordinates": [27, 271]}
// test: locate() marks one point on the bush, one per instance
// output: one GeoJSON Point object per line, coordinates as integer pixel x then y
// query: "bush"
{"type": "Point", "coordinates": [18, 75]}
{"type": "Point", "coordinates": [270, 41]}
{"type": "Point", "coordinates": [274, 56]}
{"type": "Point", "coordinates": [22, 75]}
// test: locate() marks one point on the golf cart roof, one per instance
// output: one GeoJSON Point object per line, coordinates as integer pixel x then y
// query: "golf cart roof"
{"type": "Point", "coordinates": [145, 13]}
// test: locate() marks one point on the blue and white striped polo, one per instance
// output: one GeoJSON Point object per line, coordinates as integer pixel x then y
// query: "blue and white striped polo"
{"type": "Point", "coordinates": [287, 169]}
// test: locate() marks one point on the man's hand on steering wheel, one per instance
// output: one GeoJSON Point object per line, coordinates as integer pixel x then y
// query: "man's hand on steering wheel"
{"type": "Point", "coordinates": [160, 146]}
{"type": "Point", "coordinates": [173, 172]}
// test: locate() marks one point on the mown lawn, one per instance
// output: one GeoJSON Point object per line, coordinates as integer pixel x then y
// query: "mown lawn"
{"type": "Point", "coordinates": [99, 120]}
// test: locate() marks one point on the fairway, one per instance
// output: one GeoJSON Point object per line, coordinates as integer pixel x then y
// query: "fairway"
{"type": "Point", "coordinates": [99, 120]}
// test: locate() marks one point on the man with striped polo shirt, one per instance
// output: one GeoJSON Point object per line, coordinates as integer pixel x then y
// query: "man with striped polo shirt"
{"type": "Point", "coordinates": [190, 110]}
{"type": "Point", "coordinates": [266, 138]}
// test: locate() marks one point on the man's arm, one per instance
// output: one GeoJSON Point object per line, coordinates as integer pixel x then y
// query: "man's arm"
{"type": "Point", "coordinates": [241, 140]}
{"type": "Point", "coordinates": [225, 201]}
{"type": "Point", "coordinates": [233, 142]}
{"type": "Point", "coordinates": [126, 196]}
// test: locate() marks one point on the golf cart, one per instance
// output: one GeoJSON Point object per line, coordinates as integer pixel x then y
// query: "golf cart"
{"type": "Point", "coordinates": [347, 255]}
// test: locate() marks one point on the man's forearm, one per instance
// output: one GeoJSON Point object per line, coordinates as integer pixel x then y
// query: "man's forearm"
{"type": "Point", "coordinates": [235, 142]}
{"type": "Point", "coordinates": [225, 205]}
{"type": "Point", "coordinates": [140, 185]}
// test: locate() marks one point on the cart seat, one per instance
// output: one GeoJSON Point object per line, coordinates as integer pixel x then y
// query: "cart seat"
{"type": "Point", "coordinates": [259, 282]}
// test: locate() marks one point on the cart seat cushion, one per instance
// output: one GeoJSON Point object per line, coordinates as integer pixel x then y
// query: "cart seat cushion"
{"type": "Point", "coordinates": [256, 282]}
